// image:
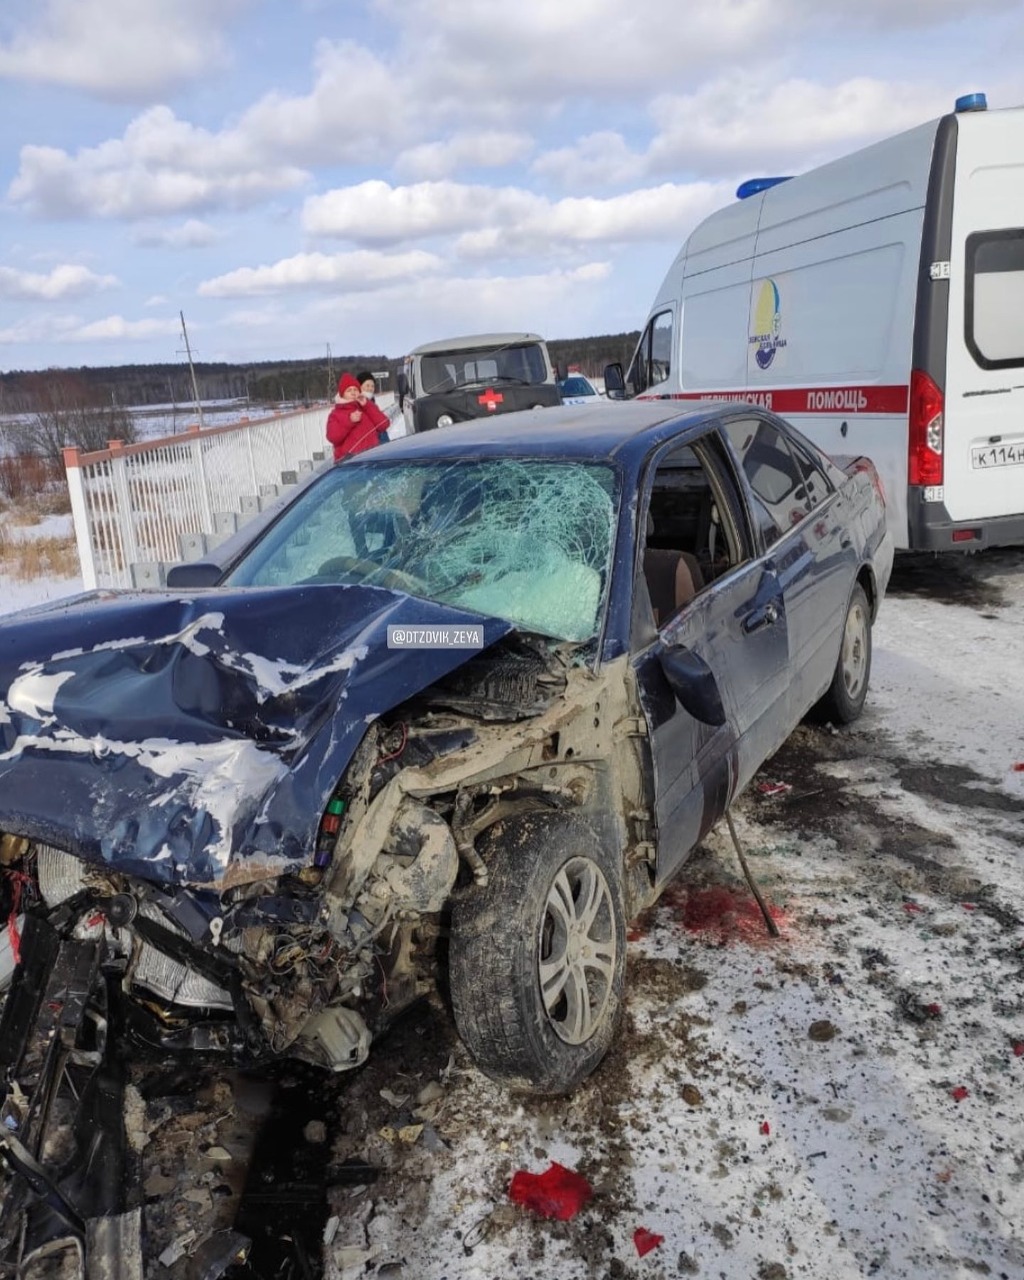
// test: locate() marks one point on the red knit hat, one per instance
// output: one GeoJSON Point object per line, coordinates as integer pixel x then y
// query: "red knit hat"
{"type": "Point", "coordinates": [347, 380]}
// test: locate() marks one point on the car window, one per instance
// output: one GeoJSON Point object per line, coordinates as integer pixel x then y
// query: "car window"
{"type": "Point", "coordinates": [694, 529]}
{"type": "Point", "coordinates": [652, 361]}
{"type": "Point", "coordinates": [576, 387]}
{"type": "Point", "coordinates": [994, 294]}
{"type": "Point", "coordinates": [524, 540]}
{"type": "Point", "coordinates": [773, 473]}
{"type": "Point", "coordinates": [817, 485]}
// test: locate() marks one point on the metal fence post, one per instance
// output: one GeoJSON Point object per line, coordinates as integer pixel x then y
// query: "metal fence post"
{"type": "Point", "coordinates": [205, 504]}
{"type": "Point", "coordinates": [80, 517]}
{"type": "Point", "coordinates": [123, 500]}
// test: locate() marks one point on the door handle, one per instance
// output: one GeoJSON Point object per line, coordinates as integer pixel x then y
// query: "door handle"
{"type": "Point", "coordinates": [766, 617]}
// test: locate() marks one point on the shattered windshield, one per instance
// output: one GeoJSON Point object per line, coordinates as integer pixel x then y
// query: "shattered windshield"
{"type": "Point", "coordinates": [527, 541]}
{"type": "Point", "coordinates": [445, 371]}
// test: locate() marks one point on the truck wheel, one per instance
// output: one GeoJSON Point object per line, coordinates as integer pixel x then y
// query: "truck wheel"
{"type": "Point", "coordinates": [844, 700]}
{"type": "Point", "coordinates": [537, 956]}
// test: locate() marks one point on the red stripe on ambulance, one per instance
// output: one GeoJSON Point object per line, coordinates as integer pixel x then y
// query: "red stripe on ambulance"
{"type": "Point", "coordinates": [784, 400]}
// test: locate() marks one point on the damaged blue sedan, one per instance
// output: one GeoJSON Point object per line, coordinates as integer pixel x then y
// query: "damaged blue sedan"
{"type": "Point", "coordinates": [458, 712]}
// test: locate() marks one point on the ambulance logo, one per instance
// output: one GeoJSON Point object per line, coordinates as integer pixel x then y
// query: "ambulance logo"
{"type": "Point", "coordinates": [767, 337]}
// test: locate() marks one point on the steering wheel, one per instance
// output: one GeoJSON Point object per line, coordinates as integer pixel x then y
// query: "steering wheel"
{"type": "Point", "coordinates": [396, 579]}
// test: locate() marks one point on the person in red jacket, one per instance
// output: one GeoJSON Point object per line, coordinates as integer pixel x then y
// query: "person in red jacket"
{"type": "Point", "coordinates": [355, 423]}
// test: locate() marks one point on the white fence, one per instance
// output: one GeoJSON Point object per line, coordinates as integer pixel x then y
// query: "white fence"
{"type": "Point", "coordinates": [140, 507]}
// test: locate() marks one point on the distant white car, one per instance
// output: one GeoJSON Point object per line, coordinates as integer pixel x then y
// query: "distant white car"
{"type": "Point", "coordinates": [575, 389]}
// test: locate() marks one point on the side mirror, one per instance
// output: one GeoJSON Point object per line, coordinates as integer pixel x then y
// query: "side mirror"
{"type": "Point", "coordinates": [691, 680]}
{"type": "Point", "coordinates": [194, 573]}
{"type": "Point", "coordinates": [560, 373]}
{"type": "Point", "coordinates": [614, 382]}
{"type": "Point", "coordinates": [402, 383]}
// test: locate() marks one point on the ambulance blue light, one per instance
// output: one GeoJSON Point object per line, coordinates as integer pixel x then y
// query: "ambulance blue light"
{"type": "Point", "coordinates": [753, 186]}
{"type": "Point", "coordinates": [971, 102]}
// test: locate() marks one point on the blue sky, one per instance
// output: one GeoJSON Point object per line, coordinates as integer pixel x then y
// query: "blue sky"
{"type": "Point", "coordinates": [293, 174]}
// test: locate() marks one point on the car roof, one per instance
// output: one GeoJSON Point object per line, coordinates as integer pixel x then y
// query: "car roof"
{"type": "Point", "coordinates": [473, 340]}
{"type": "Point", "coordinates": [611, 429]}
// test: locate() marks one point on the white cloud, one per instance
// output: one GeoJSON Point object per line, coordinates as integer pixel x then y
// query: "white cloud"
{"type": "Point", "coordinates": [356, 109]}
{"type": "Point", "coordinates": [70, 328]}
{"type": "Point", "coordinates": [737, 122]}
{"type": "Point", "coordinates": [156, 300]}
{"type": "Point", "coordinates": [162, 165]}
{"type": "Point", "coordinates": [490, 149]}
{"type": "Point", "coordinates": [600, 159]}
{"type": "Point", "coordinates": [127, 49]}
{"type": "Point", "coordinates": [362, 269]}
{"type": "Point", "coordinates": [493, 221]}
{"type": "Point", "coordinates": [118, 327]}
{"type": "Point", "coordinates": [165, 165]}
{"type": "Point", "coordinates": [192, 234]}
{"type": "Point", "coordinates": [66, 281]}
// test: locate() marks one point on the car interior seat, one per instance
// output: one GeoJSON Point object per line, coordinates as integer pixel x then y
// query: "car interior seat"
{"type": "Point", "coordinates": [673, 578]}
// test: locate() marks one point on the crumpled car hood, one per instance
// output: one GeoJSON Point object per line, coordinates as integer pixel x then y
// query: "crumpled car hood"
{"type": "Point", "coordinates": [195, 738]}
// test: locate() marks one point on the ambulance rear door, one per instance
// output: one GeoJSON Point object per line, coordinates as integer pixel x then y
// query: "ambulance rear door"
{"type": "Point", "coordinates": [984, 402]}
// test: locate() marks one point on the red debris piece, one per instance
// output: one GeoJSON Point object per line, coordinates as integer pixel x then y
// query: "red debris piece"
{"type": "Point", "coordinates": [911, 907]}
{"type": "Point", "coordinates": [18, 880]}
{"type": "Point", "coordinates": [934, 1009]}
{"type": "Point", "coordinates": [765, 1127]}
{"type": "Point", "coordinates": [557, 1193]}
{"type": "Point", "coordinates": [959, 1093]}
{"type": "Point", "coordinates": [773, 788]}
{"type": "Point", "coordinates": [969, 906]}
{"type": "Point", "coordinates": [1018, 1050]}
{"type": "Point", "coordinates": [646, 1240]}
{"type": "Point", "coordinates": [1019, 767]}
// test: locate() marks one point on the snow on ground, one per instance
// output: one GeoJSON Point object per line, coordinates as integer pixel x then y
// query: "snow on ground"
{"type": "Point", "coordinates": [841, 1102]}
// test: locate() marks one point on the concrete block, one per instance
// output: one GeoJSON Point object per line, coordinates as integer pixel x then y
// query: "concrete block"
{"type": "Point", "coordinates": [225, 522]}
{"type": "Point", "coordinates": [148, 573]}
{"type": "Point", "coordinates": [193, 545]}
{"type": "Point", "coordinates": [319, 455]}
{"type": "Point", "coordinates": [305, 466]}
{"type": "Point", "coordinates": [269, 490]}
{"type": "Point", "coordinates": [249, 504]}
{"type": "Point", "coordinates": [289, 478]}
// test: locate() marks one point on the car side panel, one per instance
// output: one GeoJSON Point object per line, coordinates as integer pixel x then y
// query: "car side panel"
{"type": "Point", "coordinates": [738, 629]}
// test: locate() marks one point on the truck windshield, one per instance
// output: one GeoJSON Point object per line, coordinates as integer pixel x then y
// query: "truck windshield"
{"type": "Point", "coordinates": [444, 371]}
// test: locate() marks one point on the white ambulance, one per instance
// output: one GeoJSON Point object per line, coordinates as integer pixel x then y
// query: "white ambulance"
{"type": "Point", "coordinates": [878, 303]}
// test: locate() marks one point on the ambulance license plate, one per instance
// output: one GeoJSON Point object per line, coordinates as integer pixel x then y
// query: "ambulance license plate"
{"type": "Point", "coordinates": [985, 457]}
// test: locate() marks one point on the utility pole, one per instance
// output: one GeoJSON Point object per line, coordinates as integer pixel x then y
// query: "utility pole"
{"type": "Point", "coordinates": [330, 374]}
{"type": "Point", "coordinates": [192, 370]}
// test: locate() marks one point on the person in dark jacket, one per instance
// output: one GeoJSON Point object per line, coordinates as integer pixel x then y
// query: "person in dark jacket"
{"type": "Point", "coordinates": [355, 423]}
{"type": "Point", "coordinates": [368, 383]}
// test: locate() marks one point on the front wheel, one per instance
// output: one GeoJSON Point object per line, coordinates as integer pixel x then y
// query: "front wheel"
{"type": "Point", "coordinates": [844, 700]}
{"type": "Point", "coordinates": [537, 957]}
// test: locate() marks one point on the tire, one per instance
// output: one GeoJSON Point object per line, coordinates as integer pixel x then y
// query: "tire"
{"type": "Point", "coordinates": [844, 700]}
{"type": "Point", "coordinates": [551, 913]}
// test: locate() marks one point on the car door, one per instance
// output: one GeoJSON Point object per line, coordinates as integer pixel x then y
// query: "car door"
{"type": "Point", "coordinates": [802, 517]}
{"type": "Point", "coordinates": [712, 677]}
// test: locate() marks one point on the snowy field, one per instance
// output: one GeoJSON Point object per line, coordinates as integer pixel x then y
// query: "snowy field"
{"type": "Point", "coordinates": [844, 1101]}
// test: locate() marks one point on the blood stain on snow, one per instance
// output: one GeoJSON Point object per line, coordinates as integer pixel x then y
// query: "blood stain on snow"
{"type": "Point", "coordinates": [721, 914]}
